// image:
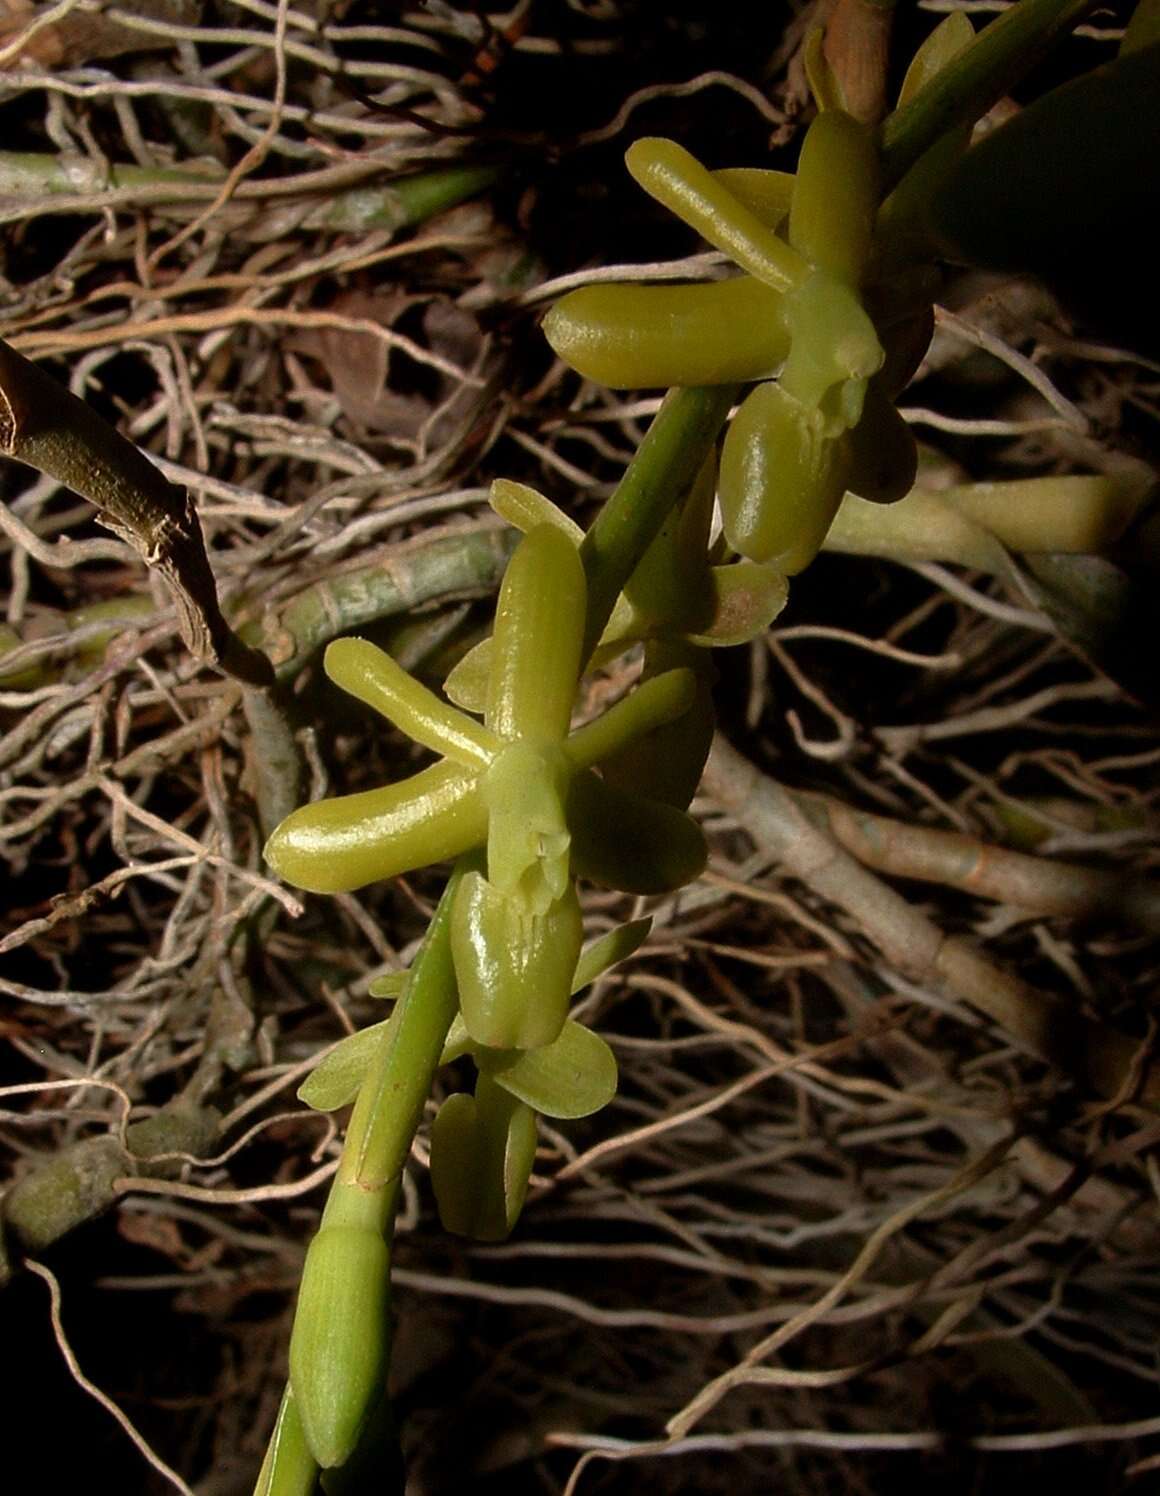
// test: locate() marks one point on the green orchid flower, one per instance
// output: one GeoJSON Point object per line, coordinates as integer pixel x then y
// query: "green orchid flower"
{"type": "Point", "coordinates": [817, 256]}
{"type": "Point", "coordinates": [515, 784]}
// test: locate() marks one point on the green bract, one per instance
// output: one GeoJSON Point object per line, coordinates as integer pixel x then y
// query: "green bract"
{"type": "Point", "coordinates": [338, 1349]}
{"type": "Point", "coordinates": [289, 1468]}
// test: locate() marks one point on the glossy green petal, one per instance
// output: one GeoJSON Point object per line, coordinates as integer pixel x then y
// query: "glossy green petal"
{"type": "Point", "coordinates": [622, 841]}
{"type": "Point", "coordinates": [781, 481]}
{"type": "Point", "coordinates": [525, 507]}
{"type": "Point", "coordinates": [338, 1347]}
{"type": "Point", "coordinates": [344, 843]}
{"type": "Point", "coordinates": [835, 196]}
{"type": "Point", "coordinates": [655, 703]}
{"type": "Point", "coordinates": [644, 337]}
{"type": "Point", "coordinates": [904, 344]}
{"type": "Point", "coordinates": [669, 173]}
{"type": "Point", "coordinates": [514, 969]}
{"type": "Point", "coordinates": [767, 194]}
{"type": "Point", "coordinates": [364, 670]}
{"type": "Point", "coordinates": [537, 639]}
{"type": "Point", "coordinates": [666, 762]}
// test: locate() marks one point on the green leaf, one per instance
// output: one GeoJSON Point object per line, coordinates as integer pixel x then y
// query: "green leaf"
{"type": "Point", "coordinates": [1061, 188]}
{"type": "Point", "coordinates": [964, 88]}
{"type": "Point", "coordinates": [1111, 617]}
{"type": "Point", "coordinates": [1143, 29]}
{"type": "Point", "coordinates": [943, 45]}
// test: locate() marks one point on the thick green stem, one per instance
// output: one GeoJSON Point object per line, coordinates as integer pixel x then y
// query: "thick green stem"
{"type": "Point", "coordinates": [658, 477]}
{"type": "Point", "coordinates": [391, 1100]}
{"type": "Point", "coordinates": [978, 77]}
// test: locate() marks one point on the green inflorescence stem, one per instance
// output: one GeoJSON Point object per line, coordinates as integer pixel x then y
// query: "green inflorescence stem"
{"type": "Point", "coordinates": [391, 1100]}
{"type": "Point", "coordinates": [658, 477]}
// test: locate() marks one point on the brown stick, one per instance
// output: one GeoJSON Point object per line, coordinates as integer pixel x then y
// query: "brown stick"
{"type": "Point", "coordinates": [46, 426]}
{"type": "Point", "coordinates": [1039, 1022]}
{"type": "Point", "coordinates": [1037, 884]}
